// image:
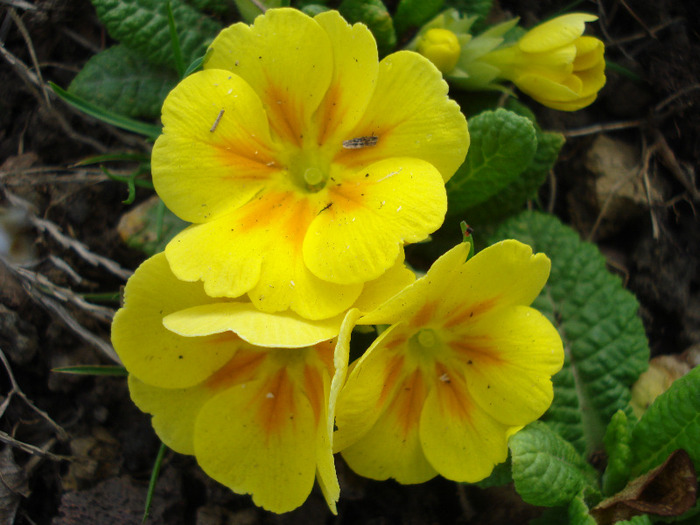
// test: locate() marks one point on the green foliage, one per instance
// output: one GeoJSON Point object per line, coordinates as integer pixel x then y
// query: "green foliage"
{"type": "Point", "coordinates": [578, 512]}
{"type": "Point", "coordinates": [120, 81]}
{"type": "Point", "coordinates": [672, 422]}
{"type": "Point", "coordinates": [150, 227]}
{"type": "Point", "coordinates": [502, 145]}
{"type": "Point", "coordinates": [373, 14]}
{"type": "Point", "coordinates": [142, 25]}
{"type": "Point", "coordinates": [604, 340]}
{"type": "Point", "coordinates": [617, 445]}
{"type": "Point", "coordinates": [547, 469]}
{"type": "Point", "coordinates": [411, 14]}
{"type": "Point", "coordinates": [478, 8]}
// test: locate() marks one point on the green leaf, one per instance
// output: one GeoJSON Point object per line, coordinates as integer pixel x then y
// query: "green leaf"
{"type": "Point", "coordinates": [115, 119]}
{"type": "Point", "coordinates": [478, 8]}
{"type": "Point", "coordinates": [152, 482]}
{"type": "Point", "coordinates": [373, 14]}
{"type": "Point", "coordinates": [501, 475]}
{"type": "Point", "coordinates": [142, 25]}
{"type": "Point", "coordinates": [671, 422]}
{"type": "Point", "coordinates": [547, 469]}
{"type": "Point", "coordinates": [617, 446]}
{"type": "Point", "coordinates": [578, 512]}
{"type": "Point", "coordinates": [214, 6]}
{"type": "Point", "coordinates": [604, 340]}
{"type": "Point", "coordinates": [119, 80]}
{"type": "Point", "coordinates": [411, 14]}
{"type": "Point", "coordinates": [502, 146]}
{"type": "Point", "coordinates": [249, 10]}
{"type": "Point", "coordinates": [150, 226]}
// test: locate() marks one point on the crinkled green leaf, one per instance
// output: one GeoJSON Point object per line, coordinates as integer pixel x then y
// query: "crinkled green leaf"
{"type": "Point", "coordinates": [604, 341]}
{"type": "Point", "coordinates": [142, 25]}
{"type": "Point", "coordinates": [411, 14]}
{"type": "Point", "coordinates": [578, 512]}
{"type": "Point", "coordinates": [501, 475]}
{"type": "Point", "coordinates": [373, 14]}
{"type": "Point", "coordinates": [119, 80]}
{"type": "Point", "coordinates": [214, 6]}
{"type": "Point", "coordinates": [502, 146]}
{"type": "Point", "coordinates": [671, 422]}
{"type": "Point", "coordinates": [547, 469]}
{"type": "Point", "coordinates": [617, 446]}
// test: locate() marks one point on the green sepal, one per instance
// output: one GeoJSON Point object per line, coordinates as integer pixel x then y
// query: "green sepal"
{"type": "Point", "coordinates": [411, 14]}
{"type": "Point", "coordinates": [374, 15]}
{"type": "Point", "coordinates": [671, 422]}
{"type": "Point", "coordinates": [617, 445]}
{"type": "Point", "coordinates": [502, 145]}
{"type": "Point", "coordinates": [314, 9]}
{"type": "Point", "coordinates": [150, 226]}
{"type": "Point", "coordinates": [604, 340]}
{"type": "Point", "coordinates": [119, 80]}
{"type": "Point", "coordinates": [547, 469]}
{"type": "Point", "coordinates": [142, 25]}
{"type": "Point", "coordinates": [110, 117]}
{"type": "Point", "coordinates": [478, 8]}
{"type": "Point", "coordinates": [249, 11]}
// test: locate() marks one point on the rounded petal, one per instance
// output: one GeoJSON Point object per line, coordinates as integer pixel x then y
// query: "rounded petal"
{"type": "Point", "coordinates": [214, 154]}
{"type": "Point", "coordinates": [461, 441]}
{"type": "Point", "coordinates": [285, 56]}
{"type": "Point", "coordinates": [151, 352]}
{"type": "Point", "coordinates": [355, 65]}
{"type": "Point", "coordinates": [374, 212]}
{"type": "Point", "coordinates": [279, 330]}
{"type": "Point", "coordinates": [174, 411]}
{"type": "Point", "coordinates": [257, 250]}
{"type": "Point", "coordinates": [363, 397]}
{"type": "Point", "coordinates": [508, 360]}
{"type": "Point", "coordinates": [554, 33]}
{"type": "Point", "coordinates": [257, 438]}
{"type": "Point", "coordinates": [377, 292]}
{"type": "Point", "coordinates": [412, 116]}
{"type": "Point", "coordinates": [589, 53]}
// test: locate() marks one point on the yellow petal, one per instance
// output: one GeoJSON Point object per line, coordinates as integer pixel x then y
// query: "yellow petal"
{"type": "Point", "coordinates": [589, 53]}
{"type": "Point", "coordinates": [149, 351]}
{"type": "Point", "coordinates": [508, 359]}
{"type": "Point", "coordinates": [174, 411]}
{"type": "Point", "coordinates": [285, 56]}
{"type": "Point", "coordinates": [461, 441]}
{"type": "Point", "coordinates": [373, 213]}
{"type": "Point", "coordinates": [412, 116]}
{"type": "Point", "coordinates": [363, 399]}
{"type": "Point", "coordinates": [258, 438]}
{"type": "Point", "coordinates": [214, 153]}
{"type": "Point", "coordinates": [557, 32]}
{"type": "Point", "coordinates": [257, 250]}
{"type": "Point", "coordinates": [355, 65]}
{"type": "Point", "coordinates": [377, 292]}
{"type": "Point", "coordinates": [407, 303]}
{"type": "Point", "coordinates": [279, 330]}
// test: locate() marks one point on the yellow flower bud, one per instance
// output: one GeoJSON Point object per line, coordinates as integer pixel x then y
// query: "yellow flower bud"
{"type": "Point", "coordinates": [554, 64]}
{"type": "Point", "coordinates": [441, 47]}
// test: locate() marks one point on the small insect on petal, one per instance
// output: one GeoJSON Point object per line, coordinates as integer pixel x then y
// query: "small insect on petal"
{"type": "Point", "coordinates": [361, 142]}
{"type": "Point", "coordinates": [216, 122]}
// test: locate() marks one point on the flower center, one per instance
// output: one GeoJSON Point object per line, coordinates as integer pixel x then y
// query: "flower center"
{"type": "Point", "coordinates": [309, 170]}
{"type": "Point", "coordinates": [427, 338]}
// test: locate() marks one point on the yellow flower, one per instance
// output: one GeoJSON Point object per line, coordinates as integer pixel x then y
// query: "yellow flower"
{"type": "Point", "coordinates": [441, 47]}
{"type": "Point", "coordinates": [464, 365]}
{"type": "Point", "coordinates": [554, 64]}
{"type": "Point", "coordinates": [303, 162]}
{"type": "Point", "coordinates": [250, 394]}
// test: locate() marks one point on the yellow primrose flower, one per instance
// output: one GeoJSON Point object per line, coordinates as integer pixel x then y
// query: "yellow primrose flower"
{"type": "Point", "coordinates": [250, 394]}
{"type": "Point", "coordinates": [465, 364]}
{"type": "Point", "coordinates": [303, 162]}
{"type": "Point", "coordinates": [554, 64]}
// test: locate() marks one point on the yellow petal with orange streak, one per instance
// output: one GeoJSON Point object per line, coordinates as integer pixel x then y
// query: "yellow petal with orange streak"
{"type": "Point", "coordinates": [374, 212]}
{"type": "Point", "coordinates": [412, 116]}
{"type": "Point", "coordinates": [355, 65]}
{"type": "Point", "coordinates": [150, 351]}
{"type": "Point", "coordinates": [554, 33]}
{"type": "Point", "coordinates": [508, 359]}
{"type": "Point", "coordinates": [392, 448]}
{"type": "Point", "coordinates": [461, 441]}
{"type": "Point", "coordinates": [215, 151]}
{"type": "Point", "coordinates": [257, 438]}
{"type": "Point", "coordinates": [377, 292]}
{"type": "Point", "coordinates": [274, 330]}
{"type": "Point", "coordinates": [286, 58]}
{"type": "Point", "coordinates": [257, 250]}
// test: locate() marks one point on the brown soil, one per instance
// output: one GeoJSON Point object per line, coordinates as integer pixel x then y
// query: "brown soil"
{"type": "Point", "coordinates": [652, 241]}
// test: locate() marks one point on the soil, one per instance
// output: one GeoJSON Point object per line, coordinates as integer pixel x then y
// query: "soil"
{"type": "Point", "coordinates": [95, 466]}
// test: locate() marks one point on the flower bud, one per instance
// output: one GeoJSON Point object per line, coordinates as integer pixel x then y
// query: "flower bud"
{"type": "Point", "coordinates": [441, 47]}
